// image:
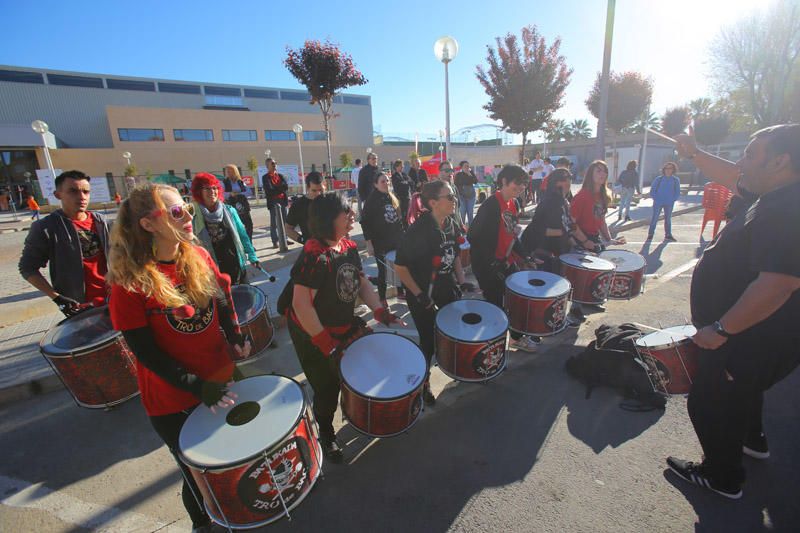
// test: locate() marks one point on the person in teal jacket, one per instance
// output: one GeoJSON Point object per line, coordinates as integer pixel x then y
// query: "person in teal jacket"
{"type": "Point", "coordinates": [220, 230]}
{"type": "Point", "coordinates": [664, 191]}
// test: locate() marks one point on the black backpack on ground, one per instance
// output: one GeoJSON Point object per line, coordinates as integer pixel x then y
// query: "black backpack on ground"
{"type": "Point", "coordinates": [612, 361]}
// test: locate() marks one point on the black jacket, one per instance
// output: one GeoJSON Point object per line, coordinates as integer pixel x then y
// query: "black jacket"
{"type": "Point", "coordinates": [483, 235]}
{"type": "Point", "coordinates": [418, 177]}
{"type": "Point", "coordinates": [366, 181]}
{"type": "Point", "coordinates": [465, 184]}
{"type": "Point", "coordinates": [381, 222]}
{"type": "Point", "coordinates": [403, 187]}
{"type": "Point", "coordinates": [54, 240]}
{"type": "Point", "coordinates": [276, 194]}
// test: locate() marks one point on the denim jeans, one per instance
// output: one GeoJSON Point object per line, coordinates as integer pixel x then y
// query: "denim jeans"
{"type": "Point", "coordinates": [667, 218]}
{"type": "Point", "coordinates": [467, 207]}
{"type": "Point", "coordinates": [274, 221]}
{"type": "Point", "coordinates": [625, 202]}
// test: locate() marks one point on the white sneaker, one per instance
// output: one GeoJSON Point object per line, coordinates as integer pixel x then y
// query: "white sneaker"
{"type": "Point", "coordinates": [524, 343]}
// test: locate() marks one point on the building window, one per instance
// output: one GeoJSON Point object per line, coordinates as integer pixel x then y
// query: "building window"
{"type": "Point", "coordinates": [140, 134]}
{"type": "Point", "coordinates": [302, 97]}
{"type": "Point", "coordinates": [223, 91]}
{"type": "Point", "coordinates": [193, 135]}
{"type": "Point", "coordinates": [239, 135]}
{"type": "Point", "coordinates": [74, 81]}
{"type": "Point", "coordinates": [21, 76]}
{"type": "Point", "coordinates": [130, 85]}
{"type": "Point", "coordinates": [261, 93]}
{"type": "Point", "coordinates": [279, 135]}
{"type": "Point", "coordinates": [313, 135]}
{"type": "Point", "coordinates": [180, 88]}
{"type": "Point", "coordinates": [224, 101]}
{"type": "Point", "coordinates": [356, 100]}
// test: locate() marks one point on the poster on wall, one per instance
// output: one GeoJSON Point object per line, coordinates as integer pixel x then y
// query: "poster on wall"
{"type": "Point", "coordinates": [47, 183]}
{"type": "Point", "coordinates": [100, 191]}
{"type": "Point", "coordinates": [290, 173]}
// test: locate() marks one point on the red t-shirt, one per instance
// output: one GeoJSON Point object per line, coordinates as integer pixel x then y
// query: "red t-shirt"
{"type": "Point", "coordinates": [94, 258]}
{"type": "Point", "coordinates": [588, 212]}
{"type": "Point", "coordinates": [275, 179]}
{"type": "Point", "coordinates": [505, 230]}
{"type": "Point", "coordinates": [196, 343]}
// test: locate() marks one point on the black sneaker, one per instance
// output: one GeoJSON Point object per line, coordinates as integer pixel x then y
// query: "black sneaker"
{"type": "Point", "coordinates": [331, 449]}
{"type": "Point", "coordinates": [756, 447]}
{"type": "Point", "coordinates": [693, 473]}
{"type": "Point", "coordinates": [670, 238]}
{"type": "Point", "coordinates": [577, 317]}
{"type": "Point", "coordinates": [627, 219]}
{"type": "Point", "coordinates": [427, 396]}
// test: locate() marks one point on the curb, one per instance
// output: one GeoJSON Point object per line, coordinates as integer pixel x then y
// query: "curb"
{"type": "Point", "coordinates": [13, 230]}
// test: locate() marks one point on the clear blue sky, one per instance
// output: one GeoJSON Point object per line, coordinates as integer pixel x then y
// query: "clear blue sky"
{"type": "Point", "coordinates": [243, 42]}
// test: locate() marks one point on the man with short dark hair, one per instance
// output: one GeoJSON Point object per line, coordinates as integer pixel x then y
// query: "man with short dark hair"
{"type": "Point", "coordinates": [745, 303]}
{"type": "Point", "coordinates": [366, 179]}
{"type": "Point", "coordinates": [74, 242]}
{"type": "Point", "coordinates": [298, 212]}
{"type": "Point", "coordinates": [275, 188]}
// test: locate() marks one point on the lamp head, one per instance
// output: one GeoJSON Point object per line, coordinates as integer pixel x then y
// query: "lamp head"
{"type": "Point", "coordinates": [445, 49]}
{"type": "Point", "coordinates": [40, 127]}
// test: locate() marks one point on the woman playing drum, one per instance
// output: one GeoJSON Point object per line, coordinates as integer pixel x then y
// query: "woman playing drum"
{"type": "Point", "coordinates": [325, 281]}
{"type": "Point", "coordinates": [428, 264]}
{"type": "Point", "coordinates": [169, 300]}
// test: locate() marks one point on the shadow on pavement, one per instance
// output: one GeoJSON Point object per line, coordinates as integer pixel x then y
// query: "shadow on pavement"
{"type": "Point", "coordinates": [653, 257]}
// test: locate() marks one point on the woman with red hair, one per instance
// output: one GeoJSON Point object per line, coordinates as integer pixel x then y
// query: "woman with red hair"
{"type": "Point", "coordinates": [220, 230]}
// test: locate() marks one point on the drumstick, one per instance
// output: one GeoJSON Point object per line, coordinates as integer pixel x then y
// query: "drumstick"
{"type": "Point", "coordinates": [659, 134]}
{"type": "Point", "coordinates": [270, 276]}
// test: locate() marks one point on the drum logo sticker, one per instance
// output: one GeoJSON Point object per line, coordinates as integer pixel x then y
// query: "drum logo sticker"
{"type": "Point", "coordinates": [601, 285]}
{"type": "Point", "coordinates": [489, 360]}
{"type": "Point", "coordinates": [621, 285]}
{"type": "Point", "coordinates": [347, 282]}
{"type": "Point", "coordinates": [261, 492]}
{"type": "Point", "coordinates": [194, 324]}
{"type": "Point", "coordinates": [556, 313]}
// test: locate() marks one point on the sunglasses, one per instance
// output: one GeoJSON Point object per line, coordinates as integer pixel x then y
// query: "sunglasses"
{"type": "Point", "coordinates": [451, 197]}
{"type": "Point", "coordinates": [448, 170]}
{"type": "Point", "coordinates": [177, 211]}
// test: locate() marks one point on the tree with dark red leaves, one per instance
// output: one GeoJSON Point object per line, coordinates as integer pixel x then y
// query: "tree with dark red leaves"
{"type": "Point", "coordinates": [629, 94]}
{"type": "Point", "coordinates": [324, 70]}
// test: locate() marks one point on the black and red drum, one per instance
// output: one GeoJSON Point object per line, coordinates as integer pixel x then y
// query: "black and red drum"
{"type": "Point", "coordinates": [471, 340]}
{"type": "Point", "coordinates": [258, 460]}
{"type": "Point", "coordinates": [672, 357]}
{"type": "Point", "coordinates": [252, 309]}
{"type": "Point", "coordinates": [382, 378]}
{"type": "Point", "coordinates": [590, 276]}
{"type": "Point", "coordinates": [628, 279]}
{"type": "Point", "coordinates": [92, 359]}
{"type": "Point", "coordinates": [465, 254]}
{"type": "Point", "coordinates": [536, 302]}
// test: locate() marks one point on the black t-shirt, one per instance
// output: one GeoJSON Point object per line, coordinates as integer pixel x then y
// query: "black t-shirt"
{"type": "Point", "coordinates": [421, 243]}
{"type": "Point", "coordinates": [298, 215]}
{"type": "Point", "coordinates": [551, 213]}
{"type": "Point", "coordinates": [465, 182]}
{"type": "Point", "coordinates": [765, 238]}
{"type": "Point", "coordinates": [224, 249]}
{"type": "Point", "coordinates": [381, 222]}
{"type": "Point", "coordinates": [336, 277]}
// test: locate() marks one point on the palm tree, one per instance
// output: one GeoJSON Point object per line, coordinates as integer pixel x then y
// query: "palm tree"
{"type": "Point", "coordinates": [652, 121]}
{"type": "Point", "coordinates": [556, 130]}
{"type": "Point", "coordinates": [579, 129]}
{"type": "Point", "coordinates": [700, 107]}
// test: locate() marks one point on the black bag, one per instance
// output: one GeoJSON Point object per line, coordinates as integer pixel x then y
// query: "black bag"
{"type": "Point", "coordinates": [612, 361]}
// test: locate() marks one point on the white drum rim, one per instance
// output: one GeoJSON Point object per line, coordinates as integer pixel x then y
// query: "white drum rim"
{"type": "Point", "coordinates": [466, 304]}
{"type": "Point", "coordinates": [264, 310]}
{"type": "Point", "coordinates": [236, 463]}
{"type": "Point", "coordinates": [567, 260]}
{"type": "Point", "coordinates": [343, 369]}
{"type": "Point", "coordinates": [539, 273]}
{"type": "Point", "coordinates": [625, 270]}
{"type": "Point", "coordinates": [672, 329]}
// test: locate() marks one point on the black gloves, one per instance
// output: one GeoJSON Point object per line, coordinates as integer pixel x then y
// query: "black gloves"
{"type": "Point", "coordinates": [212, 391]}
{"type": "Point", "coordinates": [66, 305]}
{"type": "Point", "coordinates": [424, 300]}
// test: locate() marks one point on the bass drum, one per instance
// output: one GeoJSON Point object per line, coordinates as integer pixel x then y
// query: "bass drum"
{"type": "Point", "coordinates": [536, 302]}
{"type": "Point", "coordinates": [382, 379]}
{"type": "Point", "coordinates": [258, 460]}
{"type": "Point", "coordinates": [471, 340]}
{"type": "Point", "coordinates": [252, 309]}
{"type": "Point", "coordinates": [92, 359]}
{"type": "Point", "coordinates": [628, 281]}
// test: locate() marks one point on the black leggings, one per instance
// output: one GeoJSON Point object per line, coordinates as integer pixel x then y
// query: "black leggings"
{"type": "Point", "coordinates": [493, 289]}
{"type": "Point", "coordinates": [168, 428]}
{"type": "Point", "coordinates": [380, 260]}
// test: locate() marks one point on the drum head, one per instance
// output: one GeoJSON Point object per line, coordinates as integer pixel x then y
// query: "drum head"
{"type": "Point", "coordinates": [267, 410]}
{"type": "Point", "coordinates": [383, 366]}
{"type": "Point", "coordinates": [248, 301]}
{"type": "Point", "coordinates": [625, 260]}
{"type": "Point", "coordinates": [587, 262]}
{"type": "Point", "coordinates": [667, 336]}
{"type": "Point", "coordinates": [472, 321]}
{"type": "Point", "coordinates": [537, 284]}
{"type": "Point", "coordinates": [85, 331]}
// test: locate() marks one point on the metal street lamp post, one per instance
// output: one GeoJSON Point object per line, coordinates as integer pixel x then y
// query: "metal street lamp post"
{"type": "Point", "coordinates": [445, 49]}
{"type": "Point", "coordinates": [298, 132]}
{"type": "Point", "coordinates": [41, 127]}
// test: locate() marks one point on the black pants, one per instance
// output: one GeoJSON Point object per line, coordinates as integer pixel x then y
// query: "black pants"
{"type": "Point", "coordinates": [247, 221]}
{"type": "Point", "coordinates": [724, 412]}
{"type": "Point", "coordinates": [322, 374]}
{"type": "Point", "coordinates": [380, 260]}
{"type": "Point", "coordinates": [404, 203]}
{"type": "Point", "coordinates": [536, 190]}
{"type": "Point", "coordinates": [168, 428]}
{"type": "Point", "coordinates": [493, 288]}
{"type": "Point", "coordinates": [445, 292]}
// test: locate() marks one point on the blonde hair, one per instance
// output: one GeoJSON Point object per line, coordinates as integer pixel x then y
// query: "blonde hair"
{"type": "Point", "coordinates": [392, 197]}
{"type": "Point", "coordinates": [132, 261]}
{"type": "Point", "coordinates": [235, 171]}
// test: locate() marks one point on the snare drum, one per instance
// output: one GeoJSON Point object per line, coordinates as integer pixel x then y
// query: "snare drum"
{"type": "Point", "coordinates": [536, 302]}
{"type": "Point", "coordinates": [590, 277]}
{"type": "Point", "coordinates": [672, 358]}
{"type": "Point", "coordinates": [252, 309]}
{"type": "Point", "coordinates": [92, 360]}
{"type": "Point", "coordinates": [256, 461]}
{"type": "Point", "coordinates": [382, 379]}
{"type": "Point", "coordinates": [392, 280]}
{"type": "Point", "coordinates": [628, 279]}
{"type": "Point", "coordinates": [471, 340]}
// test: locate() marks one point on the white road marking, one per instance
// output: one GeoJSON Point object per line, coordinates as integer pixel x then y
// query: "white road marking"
{"type": "Point", "coordinates": [78, 512]}
{"type": "Point", "coordinates": [656, 243]}
{"type": "Point", "coordinates": [676, 272]}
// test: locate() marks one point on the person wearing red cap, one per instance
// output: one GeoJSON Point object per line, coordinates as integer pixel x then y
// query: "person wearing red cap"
{"type": "Point", "coordinates": [220, 230]}
{"type": "Point", "coordinates": [174, 309]}
{"type": "Point", "coordinates": [429, 266]}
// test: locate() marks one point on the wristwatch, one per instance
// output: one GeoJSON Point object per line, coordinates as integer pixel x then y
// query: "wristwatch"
{"type": "Point", "coordinates": [720, 330]}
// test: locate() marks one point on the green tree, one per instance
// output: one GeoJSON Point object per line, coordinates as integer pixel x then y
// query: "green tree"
{"type": "Point", "coordinates": [711, 130]}
{"type": "Point", "coordinates": [646, 120]}
{"type": "Point", "coordinates": [131, 171]}
{"type": "Point", "coordinates": [579, 129]}
{"type": "Point", "coordinates": [556, 130]}
{"type": "Point", "coordinates": [324, 70]}
{"type": "Point", "coordinates": [675, 121]}
{"type": "Point", "coordinates": [346, 159]}
{"type": "Point", "coordinates": [525, 82]}
{"type": "Point", "coordinates": [629, 94]}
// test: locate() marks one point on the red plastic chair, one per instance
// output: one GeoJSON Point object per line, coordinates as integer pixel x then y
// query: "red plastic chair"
{"type": "Point", "coordinates": [715, 202]}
